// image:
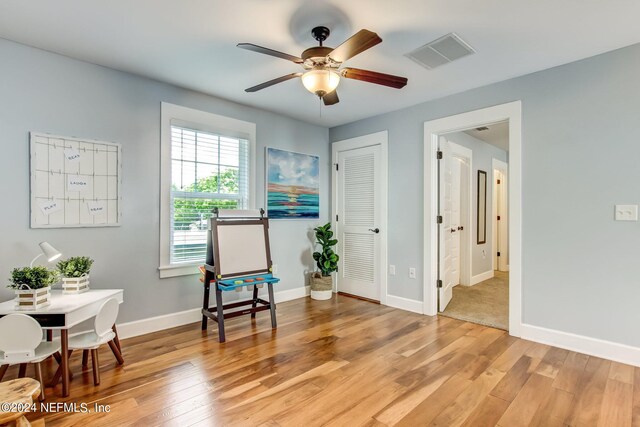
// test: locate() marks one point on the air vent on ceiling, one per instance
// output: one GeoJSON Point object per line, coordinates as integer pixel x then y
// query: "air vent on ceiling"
{"type": "Point", "coordinates": [441, 51]}
{"type": "Point", "coordinates": [481, 128]}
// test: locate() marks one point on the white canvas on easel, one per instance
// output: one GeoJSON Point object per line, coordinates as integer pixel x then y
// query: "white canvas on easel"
{"type": "Point", "coordinates": [242, 248]}
{"type": "Point", "coordinates": [74, 182]}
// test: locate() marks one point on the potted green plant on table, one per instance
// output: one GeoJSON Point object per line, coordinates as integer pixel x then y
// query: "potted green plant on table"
{"type": "Point", "coordinates": [75, 274]}
{"type": "Point", "coordinates": [327, 262]}
{"type": "Point", "coordinates": [32, 286]}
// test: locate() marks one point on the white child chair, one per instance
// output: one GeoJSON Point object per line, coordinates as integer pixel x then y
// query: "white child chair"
{"type": "Point", "coordinates": [102, 334]}
{"type": "Point", "coordinates": [21, 343]}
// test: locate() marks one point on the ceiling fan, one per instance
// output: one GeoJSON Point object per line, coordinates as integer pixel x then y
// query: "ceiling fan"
{"type": "Point", "coordinates": [322, 65]}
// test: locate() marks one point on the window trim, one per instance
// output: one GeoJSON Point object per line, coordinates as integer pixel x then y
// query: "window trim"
{"type": "Point", "coordinates": [171, 114]}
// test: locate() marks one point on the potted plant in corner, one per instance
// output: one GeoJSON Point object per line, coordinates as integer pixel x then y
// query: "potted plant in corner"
{"type": "Point", "coordinates": [32, 286]}
{"type": "Point", "coordinates": [75, 274]}
{"type": "Point", "coordinates": [327, 262]}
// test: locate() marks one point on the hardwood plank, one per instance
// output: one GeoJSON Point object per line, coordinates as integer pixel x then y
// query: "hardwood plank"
{"type": "Point", "coordinates": [552, 362]}
{"type": "Point", "coordinates": [515, 378]}
{"type": "Point", "coordinates": [617, 404]}
{"type": "Point", "coordinates": [465, 403]}
{"type": "Point", "coordinates": [636, 398]}
{"type": "Point", "coordinates": [428, 409]}
{"type": "Point", "coordinates": [554, 410]}
{"type": "Point", "coordinates": [621, 372]}
{"type": "Point", "coordinates": [526, 404]}
{"type": "Point", "coordinates": [487, 413]}
{"type": "Point", "coordinates": [569, 375]}
{"type": "Point", "coordinates": [347, 362]}
{"type": "Point", "coordinates": [585, 409]}
{"type": "Point", "coordinates": [420, 391]}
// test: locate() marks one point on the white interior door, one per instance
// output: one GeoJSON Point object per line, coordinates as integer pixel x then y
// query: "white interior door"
{"type": "Point", "coordinates": [359, 211]}
{"type": "Point", "coordinates": [451, 171]}
{"type": "Point", "coordinates": [455, 222]}
{"type": "Point", "coordinates": [501, 224]}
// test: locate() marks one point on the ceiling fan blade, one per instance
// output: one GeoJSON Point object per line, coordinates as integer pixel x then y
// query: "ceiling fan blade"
{"type": "Point", "coordinates": [359, 42]}
{"type": "Point", "coordinates": [273, 82]}
{"type": "Point", "coordinates": [331, 98]}
{"type": "Point", "coordinates": [374, 77]}
{"type": "Point", "coordinates": [271, 52]}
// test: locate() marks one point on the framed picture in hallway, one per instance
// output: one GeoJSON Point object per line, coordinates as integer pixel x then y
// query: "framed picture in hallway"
{"type": "Point", "coordinates": [293, 185]}
{"type": "Point", "coordinates": [482, 207]}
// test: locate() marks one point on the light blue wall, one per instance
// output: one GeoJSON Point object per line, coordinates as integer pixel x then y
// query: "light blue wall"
{"type": "Point", "coordinates": [580, 153]}
{"type": "Point", "coordinates": [41, 91]}
{"type": "Point", "coordinates": [482, 159]}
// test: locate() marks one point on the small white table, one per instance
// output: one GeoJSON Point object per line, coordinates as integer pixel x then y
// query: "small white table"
{"type": "Point", "coordinates": [64, 312]}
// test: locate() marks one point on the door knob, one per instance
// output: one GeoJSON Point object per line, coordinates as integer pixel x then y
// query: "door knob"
{"type": "Point", "coordinates": [460, 228]}
{"type": "Point", "coordinates": [375, 230]}
{"type": "Point", "coordinates": [453, 230]}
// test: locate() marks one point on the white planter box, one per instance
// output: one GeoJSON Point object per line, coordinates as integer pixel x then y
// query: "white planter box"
{"type": "Point", "coordinates": [32, 299]}
{"type": "Point", "coordinates": [75, 285]}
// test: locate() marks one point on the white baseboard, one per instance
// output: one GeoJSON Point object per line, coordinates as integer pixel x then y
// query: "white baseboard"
{"type": "Point", "coordinates": [172, 320]}
{"type": "Point", "coordinates": [404, 304]}
{"type": "Point", "coordinates": [292, 294]}
{"type": "Point", "coordinates": [592, 346]}
{"type": "Point", "coordinates": [158, 323]}
{"type": "Point", "coordinates": [481, 277]}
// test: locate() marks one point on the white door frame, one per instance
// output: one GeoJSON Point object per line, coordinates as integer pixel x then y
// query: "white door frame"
{"type": "Point", "coordinates": [498, 237]}
{"type": "Point", "coordinates": [512, 112]}
{"type": "Point", "coordinates": [378, 138]}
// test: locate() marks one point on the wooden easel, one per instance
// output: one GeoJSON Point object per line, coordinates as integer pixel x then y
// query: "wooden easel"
{"type": "Point", "coordinates": [245, 268]}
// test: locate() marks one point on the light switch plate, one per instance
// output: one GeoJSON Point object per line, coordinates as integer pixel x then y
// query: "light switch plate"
{"type": "Point", "coordinates": [412, 273]}
{"type": "Point", "coordinates": [626, 212]}
{"type": "Point", "coordinates": [392, 270]}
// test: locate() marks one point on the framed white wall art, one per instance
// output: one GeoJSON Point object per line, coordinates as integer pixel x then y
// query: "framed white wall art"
{"type": "Point", "coordinates": [74, 182]}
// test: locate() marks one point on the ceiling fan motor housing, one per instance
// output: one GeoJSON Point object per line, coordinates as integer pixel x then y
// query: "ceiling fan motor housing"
{"type": "Point", "coordinates": [320, 33]}
{"type": "Point", "coordinates": [316, 56]}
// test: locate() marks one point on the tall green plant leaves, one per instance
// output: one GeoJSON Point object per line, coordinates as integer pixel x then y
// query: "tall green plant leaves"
{"type": "Point", "coordinates": [327, 260]}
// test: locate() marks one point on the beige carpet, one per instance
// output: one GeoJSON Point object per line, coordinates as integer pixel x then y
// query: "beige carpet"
{"type": "Point", "coordinates": [486, 303]}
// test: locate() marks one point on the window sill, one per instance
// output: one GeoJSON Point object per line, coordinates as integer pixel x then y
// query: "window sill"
{"type": "Point", "coordinates": [178, 270]}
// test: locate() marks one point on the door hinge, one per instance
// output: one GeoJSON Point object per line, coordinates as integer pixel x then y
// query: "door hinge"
{"type": "Point", "coordinates": [337, 167]}
{"type": "Point", "coordinates": [439, 219]}
{"type": "Point", "coordinates": [439, 155]}
{"type": "Point", "coordinates": [498, 181]}
{"type": "Point", "coordinates": [498, 253]}
{"type": "Point", "coordinates": [439, 283]}
{"type": "Point", "coordinates": [498, 217]}
{"type": "Point", "coordinates": [336, 217]}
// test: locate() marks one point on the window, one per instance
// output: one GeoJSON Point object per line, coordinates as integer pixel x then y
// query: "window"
{"type": "Point", "coordinates": [206, 163]}
{"type": "Point", "coordinates": [207, 171]}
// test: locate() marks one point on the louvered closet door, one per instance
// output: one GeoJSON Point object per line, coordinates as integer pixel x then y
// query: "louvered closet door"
{"type": "Point", "coordinates": [358, 218]}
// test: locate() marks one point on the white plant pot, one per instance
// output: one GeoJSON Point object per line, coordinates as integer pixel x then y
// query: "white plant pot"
{"type": "Point", "coordinates": [75, 285]}
{"type": "Point", "coordinates": [32, 299]}
{"type": "Point", "coordinates": [321, 295]}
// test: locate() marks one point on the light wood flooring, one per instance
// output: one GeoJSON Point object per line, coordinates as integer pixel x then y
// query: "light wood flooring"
{"type": "Point", "coordinates": [346, 362]}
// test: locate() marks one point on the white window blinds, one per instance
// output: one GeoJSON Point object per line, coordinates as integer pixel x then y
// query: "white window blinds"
{"type": "Point", "coordinates": [207, 171]}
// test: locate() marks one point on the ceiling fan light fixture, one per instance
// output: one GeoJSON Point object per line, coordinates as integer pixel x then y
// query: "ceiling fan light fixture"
{"type": "Point", "coordinates": [320, 81]}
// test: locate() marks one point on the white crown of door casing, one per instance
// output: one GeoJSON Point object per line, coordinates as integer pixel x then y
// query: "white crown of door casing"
{"type": "Point", "coordinates": [512, 112]}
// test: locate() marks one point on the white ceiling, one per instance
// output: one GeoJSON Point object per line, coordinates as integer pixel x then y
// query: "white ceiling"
{"type": "Point", "coordinates": [497, 134]}
{"type": "Point", "coordinates": [192, 43]}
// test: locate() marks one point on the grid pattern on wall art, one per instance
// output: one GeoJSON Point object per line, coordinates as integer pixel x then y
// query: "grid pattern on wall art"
{"type": "Point", "coordinates": [74, 182]}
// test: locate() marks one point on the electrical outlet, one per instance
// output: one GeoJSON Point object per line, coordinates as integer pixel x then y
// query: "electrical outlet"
{"type": "Point", "coordinates": [626, 212]}
{"type": "Point", "coordinates": [392, 270]}
{"type": "Point", "coordinates": [274, 269]}
{"type": "Point", "coordinates": [412, 273]}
